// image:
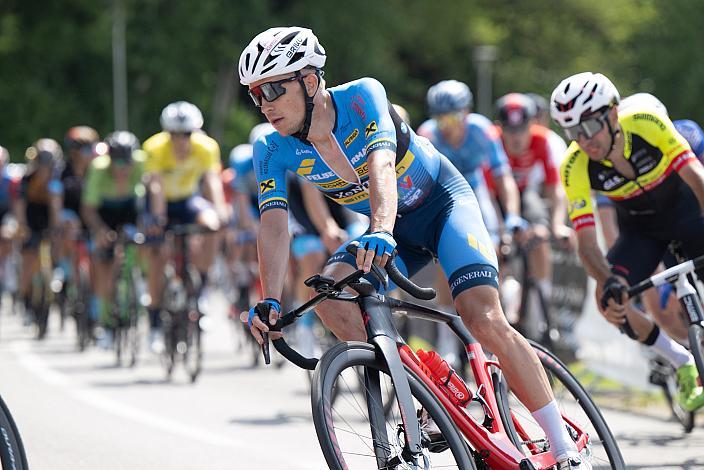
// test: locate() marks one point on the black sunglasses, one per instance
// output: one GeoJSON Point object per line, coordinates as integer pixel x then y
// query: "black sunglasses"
{"type": "Point", "coordinates": [270, 91]}
{"type": "Point", "coordinates": [588, 128]}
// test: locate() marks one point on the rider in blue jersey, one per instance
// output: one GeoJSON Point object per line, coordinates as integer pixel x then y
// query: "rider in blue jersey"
{"type": "Point", "coordinates": [350, 143]}
{"type": "Point", "coordinates": [694, 135]}
{"type": "Point", "coordinates": [470, 142]}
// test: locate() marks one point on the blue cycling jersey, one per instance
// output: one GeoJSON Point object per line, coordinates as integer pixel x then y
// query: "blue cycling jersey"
{"type": "Point", "coordinates": [481, 145]}
{"type": "Point", "coordinates": [691, 131]}
{"type": "Point", "coordinates": [364, 121]}
{"type": "Point", "coordinates": [438, 215]}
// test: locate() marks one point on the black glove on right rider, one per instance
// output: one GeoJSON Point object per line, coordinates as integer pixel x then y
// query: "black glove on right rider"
{"type": "Point", "coordinates": [613, 289]}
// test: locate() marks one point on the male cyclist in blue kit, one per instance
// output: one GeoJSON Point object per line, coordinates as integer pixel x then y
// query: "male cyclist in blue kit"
{"type": "Point", "coordinates": [469, 141]}
{"type": "Point", "coordinates": [349, 142]}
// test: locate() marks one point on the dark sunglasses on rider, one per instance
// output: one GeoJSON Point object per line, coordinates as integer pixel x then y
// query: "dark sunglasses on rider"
{"type": "Point", "coordinates": [588, 128]}
{"type": "Point", "coordinates": [270, 91]}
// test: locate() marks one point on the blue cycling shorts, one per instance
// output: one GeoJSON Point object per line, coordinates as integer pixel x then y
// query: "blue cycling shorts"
{"type": "Point", "coordinates": [447, 226]}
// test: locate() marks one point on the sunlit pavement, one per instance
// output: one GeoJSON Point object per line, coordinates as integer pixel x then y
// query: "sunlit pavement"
{"type": "Point", "coordinates": [79, 411]}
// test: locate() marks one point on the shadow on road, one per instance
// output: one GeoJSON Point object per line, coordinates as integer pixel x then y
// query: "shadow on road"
{"type": "Point", "coordinates": [278, 420]}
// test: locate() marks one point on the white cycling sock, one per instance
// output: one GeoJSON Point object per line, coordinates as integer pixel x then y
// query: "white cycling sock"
{"type": "Point", "coordinates": [550, 419]}
{"type": "Point", "coordinates": [672, 350]}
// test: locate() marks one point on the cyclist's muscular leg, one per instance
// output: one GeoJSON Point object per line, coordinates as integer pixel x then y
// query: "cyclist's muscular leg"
{"type": "Point", "coordinates": [342, 318]}
{"type": "Point", "coordinates": [481, 312]}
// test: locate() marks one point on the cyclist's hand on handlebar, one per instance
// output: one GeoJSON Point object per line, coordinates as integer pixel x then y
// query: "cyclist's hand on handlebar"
{"type": "Point", "coordinates": [565, 236]}
{"type": "Point", "coordinates": [374, 247]}
{"type": "Point", "coordinates": [612, 299]}
{"type": "Point", "coordinates": [257, 326]}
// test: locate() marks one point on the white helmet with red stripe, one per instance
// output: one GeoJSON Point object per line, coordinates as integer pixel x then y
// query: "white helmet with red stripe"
{"type": "Point", "coordinates": [278, 51]}
{"type": "Point", "coordinates": [581, 95]}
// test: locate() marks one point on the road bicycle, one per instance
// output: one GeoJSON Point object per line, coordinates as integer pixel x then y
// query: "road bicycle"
{"type": "Point", "coordinates": [12, 454]}
{"type": "Point", "coordinates": [128, 288]}
{"type": "Point", "coordinates": [434, 423]}
{"type": "Point", "coordinates": [682, 277]}
{"type": "Point", "coordinates": [181, 313]}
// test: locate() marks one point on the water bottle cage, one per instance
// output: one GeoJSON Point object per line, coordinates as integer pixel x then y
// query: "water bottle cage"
{"type": "Point", "coordinates": [488, 415]}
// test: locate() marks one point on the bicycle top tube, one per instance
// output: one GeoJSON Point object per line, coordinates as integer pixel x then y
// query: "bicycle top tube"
{"type": "Point", "coordinates": [667, 276]}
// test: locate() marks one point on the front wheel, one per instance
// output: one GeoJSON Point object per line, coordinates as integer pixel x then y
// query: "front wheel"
{"type": "Point", "coordinates": [576, 406]}
{"type": "Point", "coordinates": [353, 430]}
{"type": "Point", "coordinates": [12, 454]}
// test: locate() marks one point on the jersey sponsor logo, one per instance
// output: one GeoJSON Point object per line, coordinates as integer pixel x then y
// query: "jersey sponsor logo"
{"type": "Point", "coordinates": [406, 182]}
{"type": "Point", "coordinates": [320, 176]}
{"type": "Point", "coordinates": [578, 204]}
{"type": "Point", "coordinates": [351, 137]}
{"type": "Point", "coordinates": [300, 152]}
{"type": "Point", "coordinates": [357, 105]}
{"type": "Point", "coordinates": [352, 195]}
{"type": "Point", "coordinates": [306, 166]}
{"type": "Point", "coordinates": [276, 203]}
{"type": "Point", "coordinates": [267, 185]}
{"type": "Point", "coordinates": [481, 274]}
{"type": "Point", "coordinates": [612, 182]}
{"type": "Point", "coordinates": [370, 129]}
{"type": "Point", "coordinates": [381, 144]}
{"type": "Point", "coordinates": [651, 118]}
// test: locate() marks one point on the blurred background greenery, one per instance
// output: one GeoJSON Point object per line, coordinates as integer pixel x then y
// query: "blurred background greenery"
{"type": "Point", "coordinates": [57, 57]}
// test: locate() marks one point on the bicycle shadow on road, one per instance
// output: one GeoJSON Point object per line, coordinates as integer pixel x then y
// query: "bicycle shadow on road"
{"type": "Point", "coordinates": [279, 419]}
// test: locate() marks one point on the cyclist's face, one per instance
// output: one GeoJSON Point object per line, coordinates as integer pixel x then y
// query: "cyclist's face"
{"type": "Point", "coordinates": [181, 142]}
{"type": "Point", "coordinates": [598, 146]}
{"type": "Point", "coordinates": [516, 140]}
{"type": "Point", "coordinates": [286, 112]}
{"type": "Point", "coordinates": [451, 125]}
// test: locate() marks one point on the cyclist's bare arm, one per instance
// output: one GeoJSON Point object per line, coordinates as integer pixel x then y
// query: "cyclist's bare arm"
{"type": "Point", "coordinates": [591, 255]}
{"type": "Point", "coordinates": [273, 244]}
{"type": "Point", "coordinates": [319, 213]}
{"type": "Point", "coordinates": [383, 199]}
{"type": "Point", "coordinates": [19, 209]}
{"type": "Point", "coordinates": [508, 193]}
{"type": "Point", "coordinates": [693, 175]}
{"type": "Point", "coordinates": [212, 186]}
{"type": "Point", "coordinates": [246, 221]}
{"type": "Point", "coordinates": [157, 200]}
{"type": "Point", "coordinates": [558, 209]}
{"type": "Point", "coordinates": [56, 205]}
{"type": "Point", "coordinates": [92, 218]}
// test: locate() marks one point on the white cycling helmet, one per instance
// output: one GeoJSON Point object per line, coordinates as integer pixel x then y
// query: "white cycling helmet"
{"type": "Point", "coordinates": [580, 95]}
{"type": "Point", "coordinates": [259, 130]}
{"type": "Point", "coordinates": [181, 116]}
{"type": "Point", "coordinates": [278, 51]}
{"type": "Point", "coordinates": [643, 101]}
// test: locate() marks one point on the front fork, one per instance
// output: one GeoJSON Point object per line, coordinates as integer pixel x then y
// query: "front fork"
{"type": "Point", "coordinates": [381, 332]}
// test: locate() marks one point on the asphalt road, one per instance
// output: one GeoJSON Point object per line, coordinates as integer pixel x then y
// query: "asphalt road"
{"type": "Point", "coordinates": [79, 411]}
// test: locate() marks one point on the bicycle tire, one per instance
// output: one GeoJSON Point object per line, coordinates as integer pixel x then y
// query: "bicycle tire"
{"type": "Point", "coordinates": [348, 355]}
{"type": "Point", "coordinates": [695, 333]}
{"type": "Point", "coordinates": [558, 372]}
{"type": "Point", "coordinates": [12, 453]}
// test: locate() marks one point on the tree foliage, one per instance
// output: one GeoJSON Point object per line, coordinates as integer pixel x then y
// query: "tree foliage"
{"type": "Point", "coordinates": [57, 56]}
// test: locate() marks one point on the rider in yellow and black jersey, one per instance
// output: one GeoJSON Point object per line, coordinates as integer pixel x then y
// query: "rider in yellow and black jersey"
{"type": "Point", "coordinates": [639, 161]}
{"type": "Point", "coordinates": [655, 152]}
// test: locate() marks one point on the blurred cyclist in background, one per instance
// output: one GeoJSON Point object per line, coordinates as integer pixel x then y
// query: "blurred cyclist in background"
{"type": "Point", "coordinates": [527, 147]}
{"type": "Point", "coordinates": [113, 186]}
{"type": "Point", "coordinates": [38, 207]}
{"type": "Point", "coordinates": [180, 161]}
{"type": "Point", "coordinates": [470, 142]}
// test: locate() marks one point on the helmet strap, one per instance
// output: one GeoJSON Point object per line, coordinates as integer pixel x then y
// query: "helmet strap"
{"type": "Point", "coordinates": [302, 135]}
{"type": "Point", "coordinates": [613, 133]}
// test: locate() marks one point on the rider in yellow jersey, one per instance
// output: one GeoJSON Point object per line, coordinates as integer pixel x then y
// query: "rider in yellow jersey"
{"type": "Point", "coordinates": [646, 168]}
{"type": "Point", "coordinates": [182, 172]}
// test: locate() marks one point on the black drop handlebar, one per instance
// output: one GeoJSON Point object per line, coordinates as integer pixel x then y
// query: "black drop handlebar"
{"type": "Point", "coordinates": [327, 288]}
